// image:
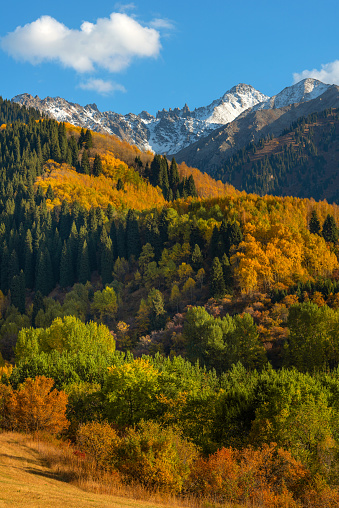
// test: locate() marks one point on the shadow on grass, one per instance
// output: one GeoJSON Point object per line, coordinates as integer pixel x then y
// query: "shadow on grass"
{"type": "Point", "coordinates": [65, 477]}
{"type": "Point", "coordinates": [18, 458]}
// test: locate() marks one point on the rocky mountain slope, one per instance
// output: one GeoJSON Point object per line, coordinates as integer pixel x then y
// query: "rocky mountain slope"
{"type": "Point", "coordinates": [210, 153]}
{"type": "Point", "coordinates": [304, 91]}
{"type": "Point", "coordinates": [202, 137]}
{"type": "Point", "coordinates": [167, 132]}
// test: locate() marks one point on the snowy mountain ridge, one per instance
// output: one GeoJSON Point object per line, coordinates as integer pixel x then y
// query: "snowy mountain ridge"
{"type": "Point", "coordinates": [303, 91]}
{"type": "Point", "coordinates": [171, 131]}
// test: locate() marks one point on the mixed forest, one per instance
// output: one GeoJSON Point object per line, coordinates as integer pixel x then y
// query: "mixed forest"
{"type": "Point", "coordinates": [178, 332]}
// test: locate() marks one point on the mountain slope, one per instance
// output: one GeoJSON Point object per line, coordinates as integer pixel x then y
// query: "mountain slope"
{"type": "Point", "coordinates": [302, 162]}
{"type": "Point", "coordinates": [171, 131]}
{"type": "Point", "coordinates": [209, 154]}
{"type": "Point", "coordinates": [306, 90]}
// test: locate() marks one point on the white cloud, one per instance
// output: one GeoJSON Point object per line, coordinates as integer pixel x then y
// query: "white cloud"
{"type": "Point", "coordinates": [121, 7]}
{"type": "Point", "coordinates": [160, 24]}
{"type": "Point", "coordinates": [329, 73]}
{"type": "Point", "coordinates": [110, 43]}
{"type": "Point", "coordinates": [101, 86]}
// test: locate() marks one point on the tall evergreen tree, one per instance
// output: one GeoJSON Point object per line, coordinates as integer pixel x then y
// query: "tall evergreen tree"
{"type": "Point", "coordinates": [330, 230]}
{"type": "Point", "coordinates": [234, 236]}
{"type": "Point", "coordinates": [88, 139]}
{"type": "Point", "coordinates": [314, 226]}
{"type": "Point", "coordinates": [84, 273]}
{"type": "Point", "coordinates": [227, 272]}
{"type": "Point", "coordinates": [18, 292]}
{"type": "Point", "coordinates": [13, 266]}
{"type": "Point", "coordinates": [66, 266]}
{"type": "Point", "coordinates": [49, 193]}
{"type": "Point", "coordinates": [65, 221]}
{"type": "Point", "coordinates": [73, 146]}
{"type": "Point", "coordinates": [97, 165]}
{"type": "Point", "coordinates": [214, 242]}
{"type": "Point", "coordinates": [107, 262]}
{"type": "Point", "coordinates": [28, 260]}
{"type": "Point", "coordinates": [163, 177]}
{"type": "Point", "coordinates": [44, 280]}
{"type": "Point", "coordinates": [4, 268]}
{"type": "Point", "coordinates": [38, 303]}
{"type": "Point", "coordinates": [81, 139]}
{"type": "Point", "coordinates": [152, 234]}
{"type": "Point", "coordinates": [155, 171]}
{"type": "Point", "coordinates": [85, 165]}
{"type": "Point", "coordinates": [196, 237]}
{"type": "Point", "coordinates": [113, 236]}
{"type": "Point", "coordinates": [73, 242]}
{"type": "Point", "coordinates": [217, 284]}
{"type": "Point", "coordinates": [173, 175]}
{"type": "Point", "coordinates": [196, 258]}
{"type": "Point", "coordinates": [121, 241]}
{"type": "Point", "coordinates": [163, 225]}
{"type": "Point", "coordinates": [120, 185]}
{"type": "Point", "coordinates": [190, 187]}
{"type": "Point", "coordinates": [133, 244]}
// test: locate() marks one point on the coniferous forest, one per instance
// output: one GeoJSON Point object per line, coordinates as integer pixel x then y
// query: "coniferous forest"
{"type": "Point", "coordinates": [178, 332]}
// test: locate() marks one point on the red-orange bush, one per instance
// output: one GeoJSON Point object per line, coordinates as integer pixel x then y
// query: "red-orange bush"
{"type": "Point", "coordinates": [269, 475]}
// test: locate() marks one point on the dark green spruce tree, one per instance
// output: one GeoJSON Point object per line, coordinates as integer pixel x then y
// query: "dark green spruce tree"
{"type": "Point", "coordinates": [133, 244]}
{"type": "Point", "coordinates": [66, 266]}
{"type": "Point", "coordinates": [330, 230]}
{"type": "Point", "coordinates": [227, 272]}
{"type": "Point", "coordinates": [234, 236]}
{"type": "Point", "coordinates": [217, 284]}
{"type": "Point", "coordinates": [84, 273]}
{"type": "Point", "coordinates": [29, 260]}
{"type": "Point", "coordinates": [38, 303]}
{"type": "Point", "coordinates": [314, 225]}
{"type": "Point", "coordinates": [97, 165]}
{"type": "Point", "coordinates": [106, 262]}
{"type": "Point", "coordinates": [88, 139]}
{"type": "Point", "coordinates": [18, 292]}
{"type": "Point", "coordinates": [85, 165]}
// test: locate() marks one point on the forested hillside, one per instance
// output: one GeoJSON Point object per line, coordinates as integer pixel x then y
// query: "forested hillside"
{"type": "Point", "coordinates": [184, 333]}
{"type": "Point", "coordinates": [301, 162]}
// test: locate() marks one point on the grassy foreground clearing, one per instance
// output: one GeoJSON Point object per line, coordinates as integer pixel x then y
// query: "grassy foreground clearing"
{"type": "Point", "coordinates": [38, 474]}
{"type": "Point", "coordinates": [26, 480]}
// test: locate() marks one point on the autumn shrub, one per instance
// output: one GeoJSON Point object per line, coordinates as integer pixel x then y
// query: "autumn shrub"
{"type": "Point", "coordinates": [155, 457]}
{"type": "Point", "coordinates": [158, 458]}
{"type": "Point", "coordinates": [268, 476]}
{"type": "Point", "coordinates": [98, 441]}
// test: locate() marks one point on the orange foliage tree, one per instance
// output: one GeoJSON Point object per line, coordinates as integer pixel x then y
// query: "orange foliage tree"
{"type": "Point", "coordinates": [35, 406]}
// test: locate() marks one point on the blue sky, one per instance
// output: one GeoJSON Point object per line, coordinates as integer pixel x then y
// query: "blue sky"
{"type": "Point", "coordinates": [172, 53]}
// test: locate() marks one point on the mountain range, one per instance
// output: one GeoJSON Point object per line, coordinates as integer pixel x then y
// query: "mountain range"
{"type": "Point", "coordinates": [207, 136]}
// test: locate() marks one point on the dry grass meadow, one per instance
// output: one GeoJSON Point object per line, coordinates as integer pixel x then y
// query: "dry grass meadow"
{"type": "Point", "coordinates": [38, 473]}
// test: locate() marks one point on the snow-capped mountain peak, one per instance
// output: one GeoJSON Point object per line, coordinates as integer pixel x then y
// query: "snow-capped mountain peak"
{"type": "Point", "coordinates": [167, 132]}
{"type": "Point", "coordinates": [306, 90]}
{"type": "Point", "coordinates": [170, 131]}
